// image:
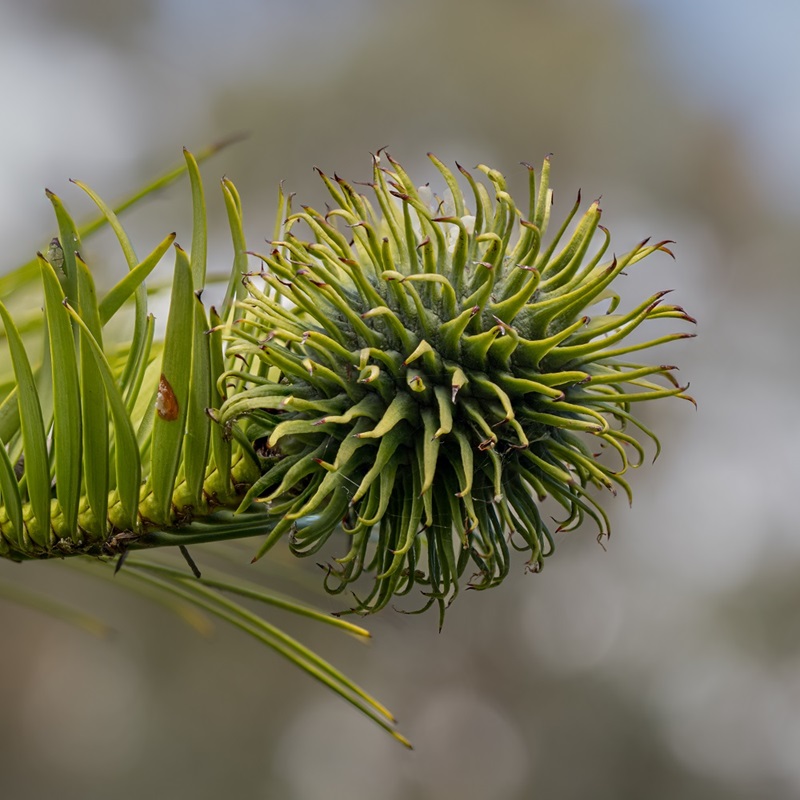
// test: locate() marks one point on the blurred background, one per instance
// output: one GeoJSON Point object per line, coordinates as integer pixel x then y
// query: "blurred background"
{"type": "Point", "coordinates": [666, 667]}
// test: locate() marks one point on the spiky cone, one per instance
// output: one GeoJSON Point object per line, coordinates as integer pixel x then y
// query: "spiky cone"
{"type": "Point", "coordinates": [428, 374]}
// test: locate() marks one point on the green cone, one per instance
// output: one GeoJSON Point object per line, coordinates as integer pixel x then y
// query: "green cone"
{"type": "Point", "coordinates": [427, 371]}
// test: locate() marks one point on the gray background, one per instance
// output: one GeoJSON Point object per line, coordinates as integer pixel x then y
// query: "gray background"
{"type": "Point", "coordinates": [667, 667]}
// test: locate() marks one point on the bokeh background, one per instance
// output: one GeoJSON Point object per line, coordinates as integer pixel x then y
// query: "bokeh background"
{"type": "Point", "coordinates": [666, 667]}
